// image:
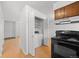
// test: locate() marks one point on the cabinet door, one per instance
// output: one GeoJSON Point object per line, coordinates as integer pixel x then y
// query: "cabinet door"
{"type": "Point", "coordinates": [72, 10]}
{"type": "Point", "coordinates": [59, 13]}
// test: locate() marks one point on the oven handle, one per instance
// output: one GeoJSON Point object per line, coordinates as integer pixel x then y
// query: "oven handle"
{"type": "Point", "coordinates": [64, 42]}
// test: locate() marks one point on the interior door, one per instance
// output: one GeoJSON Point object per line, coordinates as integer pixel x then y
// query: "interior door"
{"type": "Point", "coordinates": [9, 29]}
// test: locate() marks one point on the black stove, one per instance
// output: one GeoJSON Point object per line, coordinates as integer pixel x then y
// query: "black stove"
{"type": "Point", "coordinates": [65, 44]}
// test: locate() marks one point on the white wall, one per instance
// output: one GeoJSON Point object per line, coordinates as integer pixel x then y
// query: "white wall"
{"type": "Point", "coordinates": [51, 26]}
{"type": "Point", "coordinates": [31, 31]}
{"type": "Point", "coordinates": [1, 34]}
{"type": "Point", "coordinates": [22, 29]}
{"type": "Point", "coordinates": [1, 31]}
{"type": "Point", "coordinates": [73, 26]}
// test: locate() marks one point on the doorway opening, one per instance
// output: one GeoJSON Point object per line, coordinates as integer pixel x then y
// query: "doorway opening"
{"type": "Point", "coordinates": [9, 29]}
{"type": "Point", "coordinates": [39, 29]}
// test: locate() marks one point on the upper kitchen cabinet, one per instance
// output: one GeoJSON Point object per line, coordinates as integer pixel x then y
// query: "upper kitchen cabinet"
{"type": "Point", "coordinates": [59, 13]}
{"type": "Point", "coordinates": [72, 10]}
{"type": "Point", "coordinates": [67, 11]}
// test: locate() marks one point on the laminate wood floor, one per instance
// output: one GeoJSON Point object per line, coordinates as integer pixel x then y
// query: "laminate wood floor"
{"type": "Point", "coordinates": [11, 50]}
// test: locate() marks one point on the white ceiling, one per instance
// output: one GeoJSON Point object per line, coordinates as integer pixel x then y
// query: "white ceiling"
{"type": "Point", "coordinates": [11, 9]}
{"type": "Point", "coordinates": [43, 6]}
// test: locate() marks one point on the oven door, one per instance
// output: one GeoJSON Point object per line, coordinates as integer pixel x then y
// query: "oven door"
{"type": "Point", "coordinates": [61, 50]}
